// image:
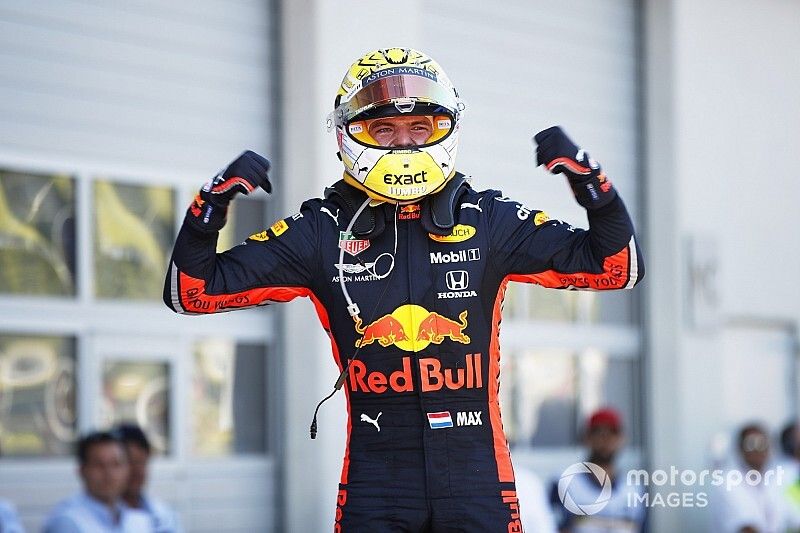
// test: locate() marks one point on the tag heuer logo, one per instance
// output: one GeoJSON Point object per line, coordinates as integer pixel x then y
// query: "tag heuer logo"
{"type": "Point", "coordinates": [350, 244]}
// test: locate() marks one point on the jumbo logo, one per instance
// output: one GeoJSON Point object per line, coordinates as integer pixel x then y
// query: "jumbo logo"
{"type": "Point", "coordinates": [460, 233]}
{"type": "Point", "coordinates": [412, 328]}
{"type": "Point", "coordinates": [432, 377]}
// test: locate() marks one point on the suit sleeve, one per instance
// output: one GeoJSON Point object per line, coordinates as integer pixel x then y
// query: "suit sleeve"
{"type": "Point", "coordinates": [274, 265]}
{"type": "Point", "coordinates": [529, 247]}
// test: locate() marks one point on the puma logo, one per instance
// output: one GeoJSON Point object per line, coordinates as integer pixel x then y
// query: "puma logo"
{"type": "Point", "coordinates": [366, 418]}
{"type": "Point", "coordinates": [328, 212]}
{"type": "Point", "coordinates": [472, 206]}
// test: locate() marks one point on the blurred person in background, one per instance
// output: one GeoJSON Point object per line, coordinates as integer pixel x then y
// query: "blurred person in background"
{"type": "Point", "coordinates": [103, 469]}
{"type": "Point", "coordinates": [137, 445]}
{"type": "Point", "coordinates": [790, 461]}
{"type": "Point", "coordinates": [9, 520]}
{"type": "Point", "coordinates": [757, 504]}
{"type": "Point", "coordinates": [604, 438]}
{"type": "Point", "coordinates": [404, 237]}
{"type": "Point", "coordinates": [790, 452]}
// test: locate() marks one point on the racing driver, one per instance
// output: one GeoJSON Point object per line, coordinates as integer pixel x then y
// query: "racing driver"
{"type": "Point", "coordinates": [407, 267]}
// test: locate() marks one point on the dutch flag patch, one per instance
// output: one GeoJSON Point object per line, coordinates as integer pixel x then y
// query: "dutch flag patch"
{"type": "Point", "coordinates": [440, 420]}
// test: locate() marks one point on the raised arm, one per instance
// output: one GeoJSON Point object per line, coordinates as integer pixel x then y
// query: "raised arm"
{"type": "Point", "coordinates": [527, 246]}
{"type": "Point", "coordinates": [273, 265]}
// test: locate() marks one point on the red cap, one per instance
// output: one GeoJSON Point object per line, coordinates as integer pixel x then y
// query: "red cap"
{"type": "Point", "coordinates": [605, 417]}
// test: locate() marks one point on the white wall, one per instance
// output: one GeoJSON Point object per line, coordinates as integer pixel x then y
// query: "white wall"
{"type": "Point", "coordinates": [723, 118]}
{"type": "Point", "coordinates": [320, 39]}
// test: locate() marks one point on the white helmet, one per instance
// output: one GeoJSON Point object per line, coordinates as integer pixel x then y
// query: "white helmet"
{"type": "Point", "coordinates": [392, 82]}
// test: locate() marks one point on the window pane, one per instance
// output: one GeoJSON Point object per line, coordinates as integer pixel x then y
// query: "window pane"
{"type": "Point", "coordinates": [138, 392]}
{"type": "Point", "coordinates": [538, 393]}
{"type": "Point", "coordinates": [37, 234]}
{"type": "Point", "coordinates": [548, 394]}
{"type": "Point", "coordinates": [229, 407]}
{"type": "Point", "coordinates": [609, 381]}
{"type": "Point", "coordinates": [37, 395]}
{"type": "Point", "coordinates": [134, 231]}
{"type": "Point", "coordinates": [245, 217]}
{"type": "Point", "coordinates": [529, 302]}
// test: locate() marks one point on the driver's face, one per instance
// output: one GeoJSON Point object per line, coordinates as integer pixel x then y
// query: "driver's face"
{"type": "Point", "coordinates": [401, 130]}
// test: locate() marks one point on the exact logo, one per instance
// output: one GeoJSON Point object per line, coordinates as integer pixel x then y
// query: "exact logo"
{"type": "Point", "coordinates": [460, 233]}
{"type": "Point", "coordinates": [456, 256]}
{"type": "Point", "coordinates": [405, 179]}
{"type": "Point", "coordinates": [580, 508]}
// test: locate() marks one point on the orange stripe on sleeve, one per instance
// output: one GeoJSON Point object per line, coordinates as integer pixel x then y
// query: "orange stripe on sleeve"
{"type": "Point", "coordinates": [194, 299]}
{"type": "Point", "coordinates": [616, 271]}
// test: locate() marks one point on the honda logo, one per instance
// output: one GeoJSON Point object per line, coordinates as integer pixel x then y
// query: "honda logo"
{"type": "Point", "coordinates": [457, 280]}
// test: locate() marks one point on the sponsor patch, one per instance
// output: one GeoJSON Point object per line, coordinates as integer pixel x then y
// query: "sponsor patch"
{"type": "Point", "coordinates": [455, 256]}
{"type": "Point", "coordinates": [440, 420]}
{"type": "Point", "coordinates": [460, 233]}
{"type": "Point", "coordinates": [279, 227]}
{"type": "Point", "coordinates": [443, 124]}
{"type": "Point", "coordinates": [355, 128]}
{"type": "Point", "coordinates": [260, 236]}
{"type": "Point", "coordinates": [353, 268]}
{"type": "Point", "coordinates": [409, 212]}
{"type": "Point", "coordinates": [540, 218]}
{"type": "Point", "coordinates": [350, 244]}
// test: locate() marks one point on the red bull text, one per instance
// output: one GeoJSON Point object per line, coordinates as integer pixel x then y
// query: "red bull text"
{"type": "Point", "coordinates": [432, 376]}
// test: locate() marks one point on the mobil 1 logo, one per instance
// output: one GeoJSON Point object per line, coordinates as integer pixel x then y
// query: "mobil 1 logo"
{"type": "Point", "coordinates": [455, 256]}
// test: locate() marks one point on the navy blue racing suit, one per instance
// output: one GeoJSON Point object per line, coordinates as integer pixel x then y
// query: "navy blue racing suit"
{"type": "Point", "coordinates": [425, 449]}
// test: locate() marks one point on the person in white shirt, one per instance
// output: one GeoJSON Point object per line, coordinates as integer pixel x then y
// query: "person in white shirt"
{"type": "Point", "coordinates": [164, 519]}
{"type": "Point", "coordinates": [9, 521]}
{"type": "Point", "coordinates": [757, 504]}
{"type": "Point", "coordinates": [103, 468]}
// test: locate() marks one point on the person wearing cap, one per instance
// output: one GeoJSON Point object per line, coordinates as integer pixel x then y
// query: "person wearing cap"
{"type": "Point", "coordinates": [137, 445]}
{"type": "Point", "coordinates": [604, 438]}
{"type": "Point", "coordinates": [407, 266]}
{"type": "Point", "coordinates": [103, 468]}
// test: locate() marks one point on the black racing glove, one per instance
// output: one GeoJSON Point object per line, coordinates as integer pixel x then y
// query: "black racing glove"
{"type": "Point", "coordinates": [209, 208]}
{"type": "Point", "coordinates": [560, 155]}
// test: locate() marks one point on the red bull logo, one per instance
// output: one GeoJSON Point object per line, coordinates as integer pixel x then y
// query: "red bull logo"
{"type": "Point", "coordinates": [412, 328]}
{"type": "Point", "coordinates": [409, 212]}
{"type": "Point", "coordinates": [433, 377]}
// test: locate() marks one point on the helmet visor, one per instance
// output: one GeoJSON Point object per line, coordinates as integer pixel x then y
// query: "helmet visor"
{"type": "Point", "coordinates": [397, 131]}
{"type": "Point", "coordinates": [404, 91]}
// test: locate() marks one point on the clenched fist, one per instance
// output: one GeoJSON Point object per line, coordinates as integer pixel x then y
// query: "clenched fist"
{"type": "Point", "coordinates": [241, 176]}
{"type": "Point", "coordinates": [560, 155]}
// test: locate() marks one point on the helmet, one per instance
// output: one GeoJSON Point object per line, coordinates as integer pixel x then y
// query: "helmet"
{"type": "Point", "coordinates": [397, 82]}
